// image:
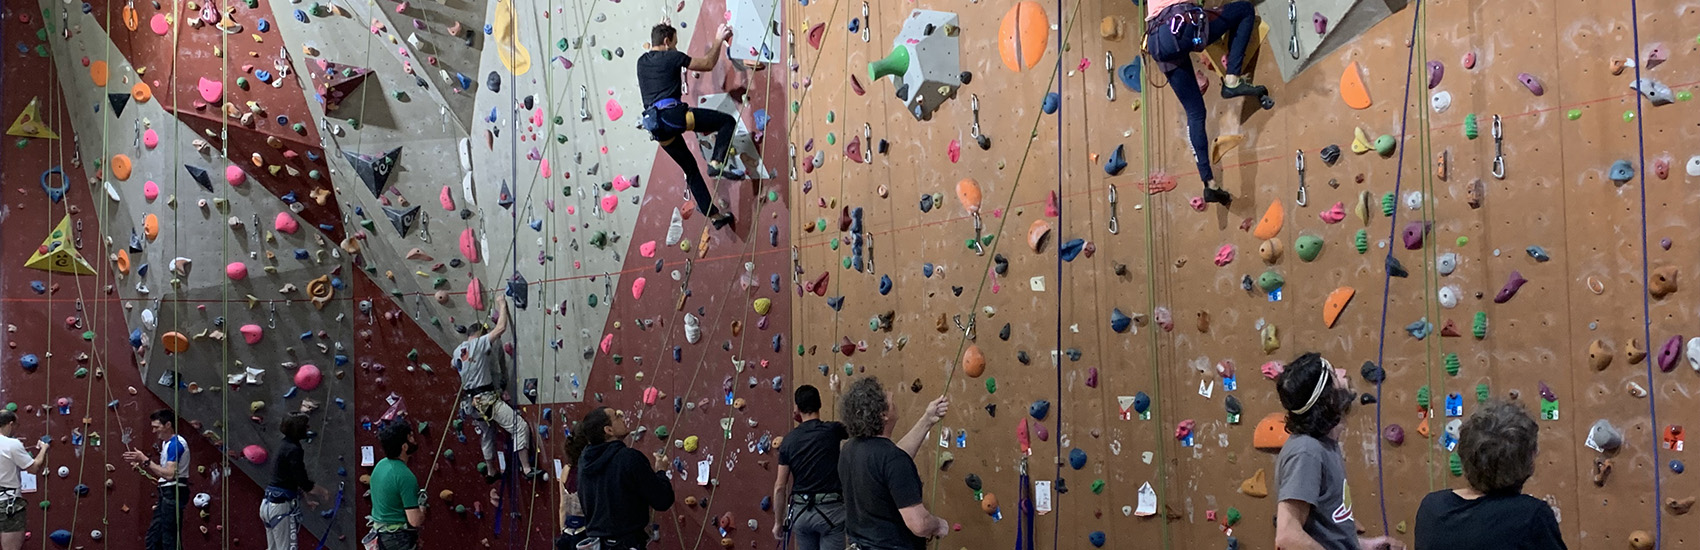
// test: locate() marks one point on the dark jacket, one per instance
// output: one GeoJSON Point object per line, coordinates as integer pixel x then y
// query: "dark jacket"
{"type": "Point", "coordinates": [618, 488]}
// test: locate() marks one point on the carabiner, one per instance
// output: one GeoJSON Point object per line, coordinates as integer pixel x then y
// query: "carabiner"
{"type": "Point", "coordinates": [867, 144]}
{"type": "Point", "coordinates": [868, 239]}
{"type": "Point", "coordinates": [1293, 17]}
{"type": "Point", "coordinates": [867, 24]}
{"type": "Point", "coordinates": [583, 103]}
{"type": "Point", "coordinates": [1115, 225]}
{"type": "Point", "coordinates": [1498, 149]}
{"type": "Point", "coordinates": [1110, 84]}
{"type": "Point", "coordinates": [1299, 162]}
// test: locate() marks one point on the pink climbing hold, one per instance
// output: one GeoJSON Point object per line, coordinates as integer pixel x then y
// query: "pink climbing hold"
{"type": "Point", "coordinates": [638, 286]}
{"type": "Point", "coordinates": [1197, 203]}
{"type": "Point", "coordinates": [251, 334]}
{"type": "Point", "coordinates": [1224, 255]}
{"type": "Point", "coordinates": [475, 294]}
{"type": "Point", "coordinates": [543, 169]}
{"type": "Point", "coordinates": [234, 175]}
{"type": "Point", "coordinates": [609, 202]}
{"type": "Point", "coordinates": [1053, 207]}
{"type": "Point", "coordinates": [469, 245]}
{"type": "Point", "coordinates": [954, 151]}
{"type": "Point", "coordinates": [1413, 235]}
{"type": "Point", "coordinates": [647, 249]}
{"type": "Point", "coordinates": [160, 25]}
{"type": "Point", "coordinates": [1533, 84]}
{"type": "Point", "coordinates": [150, 138]}
{"type": "Point", "coordinates": [447, 199]}
{"type": "Point", "coordinates": [621, 183]}
{"type": "Point", "coordinates": [286, 224]}
{"type": "Point", "coordinates": [1333, 215]}
{"type": "Point", "coordinates": [211, 90]}
{"type": "Point", "coordinates": [308, 378]}
{"type": "Point", "coordinates": [1272, 369]}
{"type": "Point", "coordinates": [537, 116]}
{"type": "Point", "coordinates": [607, 342]}
{"type": "Point", "coordinates": [255, 454]}
{"type": "Point", "coordinates": [1661, 168]}
{"type": "Point", "coordinates": [614, 110]}
{"type": "Point", "coordinates": [1506, 292]}
{"type": "Point", "coordinates": [1469, 61]}
{"type": "Point", "coordinates": [236, 271]}
{"type": "Point", "coordinates": [150, 191]}
{"type": "Point", "coordinates": [1320, 22]}
{"type": "Point", "coordinates": [650, 394]}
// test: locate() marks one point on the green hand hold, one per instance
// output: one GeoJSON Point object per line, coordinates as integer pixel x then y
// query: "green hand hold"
{"type": "Point", "coordinates": [799, 350]}
{"type": "Point", "coordinates": [1233, 516]}
{"type": "Point", "coordinates": [1270, 280]}
{"type": "Point", "coordinates": [1387, 203]}
{"type": "Point", "coordinates": [1309, 247]}
{"type": "Point", "coordinates": [1423, 397]}
{"type": "Point", "coordinates": [845, 261]}
{"type": "Point", "coordinates": [1470, 126]}
{"type": "Point", "coordinates": [991, 385]}
{"type": "Point", "coordinates": [1573, 114]}
{"type": "Point", "coordinates": [591, 300]}
{"type": "Point", "coordinates": [1455, 465]}
{"type": "Point", "coordinates": [1629, 116]}
{"type": "Point", "coordinates": [833, 244]}
{"type": "Point", "coordinates": [820, 224]}
{"type": "Point", "coordinates": [831, 138]}
{"type": "Point", "coordinates": [1361, 241]}
{"type": "Point", "coordinates": [830, 116]}
{"type": "Point", "coordinates": [1481, 392]}
{"type": "Point", "coordinates": [1452, 364]}
{"type": "Point", "coordinates": [607, 55]}
{"type": "Point", "coordinates": [1479, 327]}
{"type": "Point", "coordinates": [1098, 487]}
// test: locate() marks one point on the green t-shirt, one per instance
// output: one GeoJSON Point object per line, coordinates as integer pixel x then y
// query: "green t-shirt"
{"type": "Point", "coordinates": [394, 491]}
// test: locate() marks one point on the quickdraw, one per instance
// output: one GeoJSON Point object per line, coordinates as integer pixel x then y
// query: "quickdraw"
{"type": "Point", "coordinates": [1498, 150]}
{"type": "Point", "coordinates": [974, 129]}
{"type": "Point", "coordinates": [1115, 225]}
{"type": "Point", "coordinates": [1110, 85]}
{"type": "Point", "coordinates": [1293, 17]}
{"type": "Point", "coordinates": [1299, 162]}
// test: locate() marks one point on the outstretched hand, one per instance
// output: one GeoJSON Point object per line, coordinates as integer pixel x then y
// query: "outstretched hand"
{"type": "Point", "coordinates": [937, 409]}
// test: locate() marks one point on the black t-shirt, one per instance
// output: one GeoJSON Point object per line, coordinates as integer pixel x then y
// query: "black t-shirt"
{"type": "Point", "coordinates": [1446, 521]}
{"type": "Point", "coordinates": [811, 450]}
{"type": "Point", "coordinates": [879, 480]}
{"type": "Point", "coordinates": [659, 77]}
{"type": "Point", "coordinates": [290, 469]}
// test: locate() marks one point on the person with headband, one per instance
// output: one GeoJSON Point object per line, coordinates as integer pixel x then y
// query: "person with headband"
{"type": "Point", "coordinates": [1314, 511]}
{"type": "Point", "coordinates": [1497, 447]}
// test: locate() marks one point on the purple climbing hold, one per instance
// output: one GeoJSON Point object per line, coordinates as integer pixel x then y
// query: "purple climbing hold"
{"type": "Point", "coordinates": [1664, 243]}
{"type": "Point", "coordinates": [1510, 289]}
{"type": "Point", "coordinates": [1436, 70]}
{"type": "Point", "coordinates": [1394, 434]}
{"type": "Point", "coordinates": [1546, 392]}
{"type": "Point", "coordinates": [1320, 22]}
{"type": "Point", "coordinates": [1413, 235]}
{"type": "Point", "coordinates": [1092, 377]}
{"type": "Point", "coordinates": [1533, 84]}
{"type": "Point", "coordinates": [1670, 353]}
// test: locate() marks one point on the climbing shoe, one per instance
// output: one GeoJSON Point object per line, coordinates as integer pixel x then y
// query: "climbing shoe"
{"type": "Point", "coordinates": [1217, 196]}
{"type": "Point", "coordinates": [533, 474]}
{"type": "Point", "coordinates": [723, 220]}
{"type": "Point", "coordinates": [491, 480]}
{"type": "Point", "coordinates": [733, 174]}
{"type": "Point", "coordinates": [1244, 89]}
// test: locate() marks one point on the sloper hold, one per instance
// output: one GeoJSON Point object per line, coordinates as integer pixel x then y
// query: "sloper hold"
{"type": "Point", "coordinates": [1270, 224]}
{"type": "Point", "coordinates": [1621, 171]}
{"type": "Point", "coordinates": [1599, 355]}
{"type": "Point", "coordinates": [1656, 92]}
{"type": "Point", "coordinates": [1436, 71]}
{"type": "Point", "coordinates": [1670, 353]}
{"type": "Point", "coordinates": [375, 171]}
{"type": "Point", "coordinates": [1352, 89]}
{"type": "Point", "coordinates": [1117, 162]}
{"type": "Point", "coordinates": [1514, 282]}
{"type": "Point", "coordinates": [1335, 304]}
{"type": "Point", "coordinates": [1533, 84]}
{"type": "Point", "coordinates": [402, 219]}
{"type": "Point", "coordinates": [1663, 281]}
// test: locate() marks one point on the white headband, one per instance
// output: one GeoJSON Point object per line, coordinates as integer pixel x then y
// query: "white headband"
{"type": "Point", "coordinates": [1321, 384]}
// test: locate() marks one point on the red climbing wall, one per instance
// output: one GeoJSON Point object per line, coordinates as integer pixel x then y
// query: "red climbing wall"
{"type": "Point", "coordinates": [1558, 149]}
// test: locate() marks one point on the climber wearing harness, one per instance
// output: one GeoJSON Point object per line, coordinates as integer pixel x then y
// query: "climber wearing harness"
{"type": "Point", "coordinates": [667, 117]}
{"type": "Point", "coordinates": [882, 497]}
{"type": "Point", "coordinates": [1174, 30]}
{"type": "Point", "coordinates": [14, 460]}
{"type": "Point", "coordinates": [481, 388]}
{"type": "Point", "coordinates": [617, 487]}
{"type": "Point", "coordinates": [1497, 447]}
{"type": "Point", "coordinates": [398, 504]}
{"type": "Point", "coordinates": [808, 463]}
{"type": "Point", "coordinates": [172, 471]}
{"type": "Point", "coordinates": [281, 509]}
{"type": "Point", "coordinates": [1314, 510]}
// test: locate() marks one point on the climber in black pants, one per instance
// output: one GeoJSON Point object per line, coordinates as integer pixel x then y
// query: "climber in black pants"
{"type": "Point", "coordinates": [1177, 28]}
{"type": "Point", "coordinates": [667, 117]}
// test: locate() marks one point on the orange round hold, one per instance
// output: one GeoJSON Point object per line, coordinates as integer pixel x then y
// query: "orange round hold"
{"type": "Point", "coordinates": [174, 342]}
{"type": "Point", "coordinates": [97, 72]}
{"type": "Point", "coordinates": [973, 361]}
{"type": "Point", "coordinates": [141, 92]}
{"type": "Point", "coordinates": [989, 504]}
{"type": "Point", "coordinates": [968, 191]}
{"type": "Point", "coordinates": [121, 167]}
{"type": "Point", "coordinates": [1024, 35]}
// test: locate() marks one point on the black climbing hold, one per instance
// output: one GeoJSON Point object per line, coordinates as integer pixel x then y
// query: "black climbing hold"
{"type": "Point", "coordinates": [903, 92]}
{"type": "Point", "coordinates": [884, 146]}
{"type": "Point", "coordinates": [506, 197]}
{"type": "Point", "coordinates": [966, 77]}
{"type": "Point", "coordinates": [992, 409]}
{"type": "Point", "coordinates": [200, 176]}
{"type": "Point", "coordinates": [1121, 270]}
{"type": "Point", "coordinates": [836, 303]}
{"type": "Point", "coordinates": [929, 29]}
{"type": "Point", "coordinates": [973, 481]}
{"type": "Point", "coordinates": [1023, 358]}
{"type": "Point", "coordinates": [1367, 399]}
{"type": "Point", "coordinates": [1372, 373]}
{"type": "Point", "coordinates": [1117, 162]}
{"type": "Point", "coordinates": [455, 262]}
{"type": "Point", "coordinates": [1062, 485]}
{"type": "Point", "coordinates": [529, 102]}
{"type": "Point", "coordinates": [1073, 354]}
{"type": "Point", "coordinates": [1245, 282]}
{"type": "Point", "coordinates": [1233, 405]}
{"type": "Point", "coordinates": [1331, 154]}
{"type": "Point", "coordinates": [1396, 269]}
{"type": "Point", "coordinates": [493, 82]}
{"type": "Point", "coordinates": [1000, 264]}
{"type": "Point", "coordinates": [766, 503]}
{"type": "Point", "coordinates": [956, 290]}
{"type": "Point", "coordinates": [466, 213]}
{"type": "Point", "coordinates": [926, 203]}
{"type": "Point", "coordinates": [119, 101]}
{"type": "Point", "coordinates": [519, 290]}
{"type": "Point", "coordinates": [402, 219]}
{"type": "Point", "coordinates": [1003, 334]}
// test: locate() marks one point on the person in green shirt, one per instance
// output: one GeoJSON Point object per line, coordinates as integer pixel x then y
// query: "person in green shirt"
{"type": "Point", "coordinates": [397, 509]}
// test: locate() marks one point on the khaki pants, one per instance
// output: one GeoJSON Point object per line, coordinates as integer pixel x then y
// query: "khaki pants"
{"type": "Point", "coordinates": [488, 408]}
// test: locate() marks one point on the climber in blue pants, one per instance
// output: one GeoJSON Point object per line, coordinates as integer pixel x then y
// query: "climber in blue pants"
{"type": "Point", "coordinates": [1175, 29]}
{"type": "Point", "coordinates": [667, 117]}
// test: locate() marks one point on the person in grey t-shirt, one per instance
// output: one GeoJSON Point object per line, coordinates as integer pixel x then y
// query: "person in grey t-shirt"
{"type": "Point", "coordinates": [482, 388]}
{"type": "Point", "coordinates": [1314, 511]}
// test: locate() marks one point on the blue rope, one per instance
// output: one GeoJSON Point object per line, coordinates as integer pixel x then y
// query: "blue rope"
{"type": "Point", "coordinates": [1646, 300]}
{"type": "Point", "coordinates": [1387, 278]}
{"type": "Point", "coordinates": [1056, 358]}
{"type": "Point", "coordinates": [331, 521]}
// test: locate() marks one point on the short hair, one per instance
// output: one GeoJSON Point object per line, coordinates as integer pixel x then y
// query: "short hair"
{"type": "Point", "coordinates": [166, 417]}
{"type": "Point", "coordinates": [661, 33]}
{"type": "Point", "coordinates": [1497, 446]}
{"type": "Point", "coordinates": [1295, 385]}
{"type": "Point", "coordinates": [393, 437]}
{"type": "Point", "coordinates": [7, 418]}
{"type": "Point", "coordinates": [294, 427]}
{"type": "Point", "coordinates": [863, 408]}
{"type": "Point", "coordinates": [477, 328]}
{"type": "Point", "coordinates": [807, 399]}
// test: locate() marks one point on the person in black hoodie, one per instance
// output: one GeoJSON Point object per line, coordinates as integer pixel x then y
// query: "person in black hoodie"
{"type": "Point", "coordinates": [616, 486]}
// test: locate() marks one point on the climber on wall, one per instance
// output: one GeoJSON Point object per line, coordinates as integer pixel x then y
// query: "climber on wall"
{"type": "Point", "coordinates": [617, 487]}
{"type": "Point", "coordinates": [14, 460]}
{"type": "Point", "coordinates": [667, 117]}
{"type": "Point", "coordinates": [882, 502]}
{"type": "Point", "coordinates": [281, 507]}
{"type": "Point", "coordinates": [478, 360]}
{"type": "Point", "coordinates": [1174, 30]}
{"type": "Point", "coordinates": [812, 508]}
{"type": "Point", "coordinates": [173, 474]}
{"type": "Point", "coordinates": [1314, 511]}
{"type": "Point", "coordinates": [1497, 447]}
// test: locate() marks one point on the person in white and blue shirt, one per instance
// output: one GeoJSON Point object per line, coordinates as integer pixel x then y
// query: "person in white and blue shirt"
{"type": "Point", "coordinates": [172, 471]}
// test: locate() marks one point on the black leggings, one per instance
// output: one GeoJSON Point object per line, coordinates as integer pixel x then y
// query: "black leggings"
{"type": "Point", "coordinates": [1237, 17]}
{"type": "Point", "coordinates": [699, 121]}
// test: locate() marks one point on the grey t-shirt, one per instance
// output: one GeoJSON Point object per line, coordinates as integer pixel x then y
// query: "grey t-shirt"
{"type": "Point", "coordinates": [1312, 471]}
{"type": "Point", "coordinates": [475, 361]}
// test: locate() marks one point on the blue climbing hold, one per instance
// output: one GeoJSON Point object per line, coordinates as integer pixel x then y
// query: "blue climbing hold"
{"type": "Point", "coordinates": [1053, 101]}
{"type": "Point", "coordinates": [1077, 458]}
{"type": "Point", "coordinates": [81, 490]}
{"type": "Point", "coordinates": [773, 235]}
{"type": "Point", "coordinates": [927, 269]}
{"type": "Point", "coordinates": [836, 303]}
{"type": "Point", "coordinates": [488, 30]}
{"type": "Point", "coordinates": [38, 287]}
{"type": "Point", "coordinates": [61, 537]}
{"type": "Point", "coordinates": [263, 25]}
{"type": "Point", "coordinates": [1119, 321]}
{"type": "Point", "coordinates": [340, 359]}
{"type": "Point", "coordinates": [336, 283]}
{"type": "Point", "coordinates": [1071, 249]}
{"type": "Point", "coordinates": [1141, 403]}
{"type": "Point", "coordinates": [1096, 538]}
{"type": "Point", "coordinates": [1117, 162]}
{"type": "Point", "coordinates": [1622, 171]}
{"type": "Point", "coordinates": [136, 338]}
{"type": "Point", "coordinates": [678, 354]}
{"type": "Point", "coordinates": [855, 26]}
{"type": "Point", "coordinates": [1420, 328]}
{"type": "Point", "coordinates": [263, 75]}
{"type": "Point", "coordinates": [885, 285]}
{"type": "Point", "coordinates": [29, 361]}
{"type": "Point", "coordinates": [1039, 409]}
{"type": "Point", "coordinates": [302, 254]}
{"type": "Point", "coordinates": [301, 16]}
{"type": "Point", "coordinates": [1676, 466]}
{"type": "Point", "coordinates": [1130, 76]}
{"type": "Point", "coordinates": [778, 343]}
{"type": "Point", "coordinates": [926, 203]}
{"type": "Point", "coordinates": [762, 118]}
{"type": "Point", "coordinates": [289, 198]}
{"type": "Point", "coordinates": [536, 225]}
{"type": "Point", "coordinates": [773, 282]}
{"type": "Point", "coordinates": [766, 503]}
{"type": "Point", "coordinates": [466, 84]}
{"type": "Point", "coordinates": [290, 394]}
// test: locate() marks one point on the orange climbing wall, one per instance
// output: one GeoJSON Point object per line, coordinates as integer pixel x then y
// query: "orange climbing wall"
{"type": "Point", "coordinates": [1555, 195]}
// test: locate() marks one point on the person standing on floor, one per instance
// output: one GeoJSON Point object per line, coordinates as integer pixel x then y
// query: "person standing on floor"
{"type": "Point", "coordinates": [281, 508]}
{"type": "Point", "coordinates": [478, 359]}
{"type": "Point", "coordinates": [667, 117]}
{"type": "Point", "coordinates": [398, 508]}
{"type": "Point", "coordinates": [1174, 30]}
{"type": "Point", "coordinates": [1314, 510]}
{"type": "Point", "coordinates": [14, 460]}
{"type": "Point", "coordinates": [617, 486]}
{"type": "Point", "coordinates": [572, 518]}
{"type": "Point", "coordinates": [1497, 447]}
{"type": "Point", "coordinates": [172, 471]}
{"type": "Point", "coordinates": [812, 508]}
{"type": "Point", "coordinates": [882, 499]}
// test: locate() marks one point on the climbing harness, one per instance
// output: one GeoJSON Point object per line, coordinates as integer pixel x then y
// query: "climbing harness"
{"type": "Point", "coordinates": [1293, 17]}
{"type": "Point", "coordinates": [1110, 85]}
{"type": "Point", "coordinates": [1498, 150]}
{"type": "Point", "coordinates": [974, 129]}
{"type": "Point", "coordinates": [1115, 225]}
{"type": "Point", "coordinates": [1299, 162]}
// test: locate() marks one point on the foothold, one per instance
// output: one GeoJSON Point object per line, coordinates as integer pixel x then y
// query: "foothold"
{"type": "Point", "coordinates": [1224, 255]}
{"type": "Point", "coordinates": [1413, 235]}
{"type": "Point", "coordinates": [1479, 326]}
{"type": "Point", "coordinates": [1670, 353]}
{"type": "Point", "coordinates": [1270, 251]}
{"type": "Point", "coordinates": [1602, 435]}
{"type": "Point", "coordinates": [1394, 434]}
{"type": "Point", "coordinates": [1446, 263]}
{"type": "Point", "coordinates": [1052, 102]}
{"type": "Point", "coordinates": [1621, 172]}
{"type": "Point", "coordinates": [1319, 23]}
{"type": "Point", "coordinates": [1599, 355]}
{"type": "Point", "coordinates": [1533, 84]}
{"type": "Point", "coordinates": [1270, 224]}
{"type": "Point", "coordinates": [1335, 304]}
{"type": "Point", "coordinates": [1512, 284]}
{"type": "Point", "coordinates": [1308, 246]}
{"type": "Point", "coordinates": [1641, 540]}
{"type": "Point", "coordinates": [1436, 71]}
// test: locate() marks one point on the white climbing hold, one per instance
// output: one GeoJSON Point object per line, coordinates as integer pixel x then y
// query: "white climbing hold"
{"type": "Point", "coordinates": [1448, 297]}
{"type": "Point", "coordinates": [1694, 166]}
{"type": "Point", "coordinates": [1441, 101]}
{"type": "Point", "coordinates": [675, 228]}
{"type": "Point", "coordinates": [1694, 354]}
{"type": "Point", "coordinates": [1655, 91]}
{"type": "Point", "coordinates": [466, 154]}
{"type": "Point", "coordinates": [148, 320]}
{"type": "Point", "coordinates": [1414, 200]}
{"type": "Point", "coordinates": [693, 329]}
{"type": "Point", "coordinates": [112, 192]}
{"type": "Point", "coordinates": [202, 500]}
{"type": "Point", "coordinates": [1446, 263]}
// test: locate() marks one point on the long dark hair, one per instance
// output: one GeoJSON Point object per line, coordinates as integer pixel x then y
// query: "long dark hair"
{"type": "Point", "coordinates": [588, 432]}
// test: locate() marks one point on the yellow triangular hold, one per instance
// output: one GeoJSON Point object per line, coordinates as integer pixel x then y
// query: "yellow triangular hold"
{"type": "Point", "coordinates": [29, 123]}
{"type": "Point", "coordinates": [57, 253]}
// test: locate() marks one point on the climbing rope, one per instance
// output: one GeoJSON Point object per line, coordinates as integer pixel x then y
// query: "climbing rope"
{"type": "Point", "coordinates": [1151, 271]}
{"type": "Point", "coordinates": [1646, 292]}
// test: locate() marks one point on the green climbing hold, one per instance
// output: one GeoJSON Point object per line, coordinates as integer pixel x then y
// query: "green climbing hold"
{"type": "Point", "coordinates": [831, 138]}
{"type": "Point", "coordinates": [397, 293]}
{"type": "Point", "coordinates": [1385, 145]}
{"type": "Point", "coordinates": [1388, 201]}
{"type": "Point", "coordinates": [368, 224]}
{"type": "Point", "coordinates": [1452, 364]}
{"type": "Point", "coordinates": [354, 123]}
{"type": "Point", "coordinates": [991, 385]}
{"type": "Point", "coordinates": [1423, 397]}
{"type": "Point", "coordinates": [1684, 95]}
{"type": "Point", "coordinates": [13, 406]}
{"type": "Point", "coordinates": [845, 262]}
{"type": "Point", "coordinates": [1309, 247]}
{"type": "Point", "coordinates": [799, 350]}
{"type": "Point", "coordinates": [82, 372]}
{"type": "Point", "coordinates": [455, 424]}
{"type": "Point", "coordinates": [1470, 126]}
{"type": "Point", "coordinates": [314, 174]}
{"type": "Point", "coordinates": [795, 107]}
{"type": "Point", "coordinates": [242, 82]}
{"type": "Point", "coordinates": [833, 244]}
{"type": "Point", "coordinates": [413, 355]}
{"type": "Point", "coordinates": [45, 504]}
{"type": "Point", "coordinates": [483, 467]}
{"type": "Point", "coordinates": [561, 45]}
{"type": "Point", "coordinates": [820, 224]}
{"type": "Point", "coordinates": [1481, 392]}
{"type": "Point", "coordinates": [460, 509]}
{"type": "Point", "coordinates": [88, 336]}
{"type": "Point", "coordinates": [566, 190]}
{"type": "Point", "coordinates": [591, 300]}
{"type": "Point", "coordinates": [1455, 465]}
{"type": "Point", "coordinates": [1270, 280]}
{"type": "Point", "coordinates": [607, 55]}
{"type": "Point", "coordinates": [970, 243]}
{"type": "Point", "coordinates": [1479, 327]}
{"type": "Point", "coordinates": [607, 186]}
{"type": "Point", "coordinates": [560, 138]}
{"type": "Point", "coordinates": [1573, 114]}
{"type": "Point", "coordinates": [22, 143]}
{"type": "Point", "coordinates": [661, 432]}
{"type": "Point", "coordinates": [830, 116]}
{"type": "Point", "coordinates": [849, 370]}
{"type": "Point", "coordinates": [1629, 116]}
{"type": "Point", "coordinates": [772, 196]}
{"type": "Point", "coordinates": [1361, 241]}
{"type": "Point", "coordinates": [1233, 516]}
{"type": "Point", "coordinates": [1098, 487]}
{"type": "Point", "coordinates": [617, 360]}
{"type": "Point", "coordinates": [1463, 241]}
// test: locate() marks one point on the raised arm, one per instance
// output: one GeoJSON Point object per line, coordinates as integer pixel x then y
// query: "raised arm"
{"type": "Point", "coordinates": [707, 61]}
{"type": "Point", "coordinates": [911, 442]}
{"type": "Point", "coordinates": [501, 318]}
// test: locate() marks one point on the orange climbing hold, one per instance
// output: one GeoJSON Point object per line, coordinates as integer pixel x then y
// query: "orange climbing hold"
{"type": "Point", "coordinates": [132, 21]}
{"type": "Point", "coordinates": [1270, 225]}
{"type": "Point", "coordinates": [1271, 432]}
{"type": "Point", "coordinates": [174, 342]}
{"type": "Point", "coordinates": [121, 260]}
{"type": "Point", "coordinates": [97, 72]}
{"type": "Point", "coordinates": [1036, 234]}
{"type": "Point", "coordinates": [968, 191]}
{"type": "Point", "coordinates": [1352, 88]}
{"type": "Point", "coordinates": [121, 167]}
{"type": "Point", "coordinates": [989, 504]}
{"type": "Point", "coordinates": [141, 92]}
{"type": "Point", "coordinates": [973, 362]}
{"type": "Point", "coordinates": [1023, 36]}
{"type": "Point", "coordinates": [150, 227]}
{"type": "Point", "coordinates": [1336, 303]}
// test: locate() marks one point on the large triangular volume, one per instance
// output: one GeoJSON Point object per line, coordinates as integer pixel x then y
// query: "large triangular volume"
{"type": "Point", "coordinates": [375, 171]}
{"type": "Point", "coordinates": [403, 220]}
{"type": "Point", "coordinates": [29, 123]}
{"type": "Point", "coordinates": [57, 254]}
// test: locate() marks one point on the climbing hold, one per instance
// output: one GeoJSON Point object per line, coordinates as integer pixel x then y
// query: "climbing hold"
{"type": "Point", "coordinates": [1656, 92]}
{"type": "Point", "coordinates": [1452, 364]}
{"type": "Point", "coordinates": [1663, 281]}
{"type": "Point", "coordinates": [1395, 268]}
{"type": "Point", "coordinates": [968, 193]}
{"type": "Point", "coordinates": [308, 377]}
{"type": "Point", "coordinates": [1224, 255]}
{"type": "Point", "coordinates": [1270, 224]}
{"type": "Point", "coordinates": [1693, 166]}
{"type": "Point", "coordinates": [1670, 353]}
{"type": "Point", "coordinates": [1119, 321]}
{"type": "Point", "coordinates": [1130, 75]}
{"type": "Point", "coordinates": [1436, 70]}
{"type": "Point", "coordinates": [1641, 540]}
{"type": "Point", "coordinates": [1071, 249]}
{"type": "Point", "coordinates": [1270, 251]}
{"type": "Point", "coordinates": [1512, 284]}
{"type": "Point", "coordinates": [1023, 36]}
{"type": "Point", "coordinates": [174, 342]}
{"type": "Point", "coordinates": [1360, 241]}
{"type": "Point", "coordinates": [1394, 434]}
{"type": "Point", "coordinates": [1335, 304]}
{"type": "Point", "coordinates": [1052, 102]}
{"type": "Point", "coordinates": [1446, 263]}
{"type": "Point", "coordinates": [1270, 280]}
{"type": "Point", "coordinates": [1621, 171]}
{"type": "Point", "coordinates": [1604, 436]}
{"type": "Point", "coordinates": [1117, 162]}
{"type": "Point", "coordinates": [1479, 326]}
{"type": "Point", "coordinates": [1360, 142]}
{"type": "Point", "coordinates": [1096, 538]}
{"type": "Point", "coordinates": [60, 537]}
{"type": "Point", "coordinates": [255, 454]}
{"type": "Point", "coordinates": [1334, 214]}
{"type": "Point", "coordinates": [1077, 458]}
{"type": "Point", "coordinates": [1256, 486]}
{"type": "Point", "coordinates": [1039, 409]}
{"type": "Point", "coordinates": [973, 361]}
{"type": "Point", "coordinates": [236, 271]}
{"type": "Point", "coordinates": [1533, 84]}
{"type": "Point", "coordinates": [1308, 246]}
{"type": "Point", "coordinates": [1352, 89]}
{"type": "Point", "coordinates": [1448, 297]}
{"type": "Point", "coordinates": [1419, 328]}
{"type": "Point", "coordinates": [1384, 145]}
{"type": "Point", "coordinates": [1331, 154]}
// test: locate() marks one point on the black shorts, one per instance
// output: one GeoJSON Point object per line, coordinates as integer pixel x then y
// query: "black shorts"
{"type": "Point", "coordinates": [14, 522]}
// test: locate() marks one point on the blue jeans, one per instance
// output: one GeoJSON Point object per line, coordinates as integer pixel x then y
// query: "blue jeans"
{"type": "Point", "coordinates": [1240, 18]}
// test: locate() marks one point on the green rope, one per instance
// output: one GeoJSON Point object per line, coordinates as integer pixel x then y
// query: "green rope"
{"type": "Point", "coordinates": [1151, 277]}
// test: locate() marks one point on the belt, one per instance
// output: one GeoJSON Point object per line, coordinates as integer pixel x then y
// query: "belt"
{"type": "Point", "coordinates": [279, 495]}
{"type": "Point", "coordinates": [666, 103]}
{"type": "Point", "coordinates": [479, 390]}
{"type": "Point", "coordinates": [816, 498]}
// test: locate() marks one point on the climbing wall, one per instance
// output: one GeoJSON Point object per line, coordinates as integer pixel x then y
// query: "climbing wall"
{"type": "Point", "coordinates": [293, 207]}
{"type": "Point", "coordinates": [1139, 289]}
